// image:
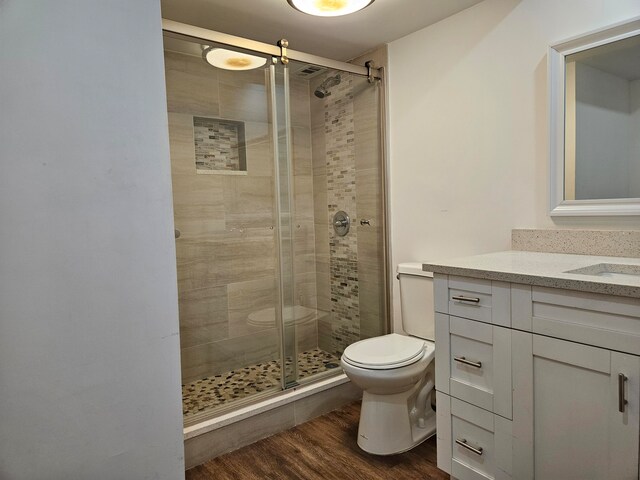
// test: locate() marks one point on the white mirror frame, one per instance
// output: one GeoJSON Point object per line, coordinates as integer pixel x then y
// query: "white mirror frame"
{"type": "Point", "coordinates": [558, 206]}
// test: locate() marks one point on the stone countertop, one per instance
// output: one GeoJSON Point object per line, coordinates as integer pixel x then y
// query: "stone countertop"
{"type": "Point", "coordinates": [547, 270]}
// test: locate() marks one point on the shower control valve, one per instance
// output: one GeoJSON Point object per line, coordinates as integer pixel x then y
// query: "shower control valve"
{"type": "Point", "coordinates": [341, 223]}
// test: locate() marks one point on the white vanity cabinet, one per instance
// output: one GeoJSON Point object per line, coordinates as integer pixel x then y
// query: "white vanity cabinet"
{"type": "Point", "coordinates": [575, 410]}
{"type": "Point", "coordinates": [555, 390]}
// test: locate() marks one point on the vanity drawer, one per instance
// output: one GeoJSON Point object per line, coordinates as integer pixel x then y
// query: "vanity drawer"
{"type": "Point", "coordinates": [473, 363]}
{"type": "Point", "coordinates": [475, 444]}
{"type": "Point", "coordinates": [477, 299]}
{"type": "Point", "coordinates": [594, 319]}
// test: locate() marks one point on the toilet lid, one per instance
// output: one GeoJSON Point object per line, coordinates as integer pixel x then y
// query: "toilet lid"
{"type": "Point", "coordinates": [388, 351]}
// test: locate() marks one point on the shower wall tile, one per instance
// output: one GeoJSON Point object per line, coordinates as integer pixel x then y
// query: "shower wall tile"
{"type": "Point", "coordinates": [320, 204]}
{"type": "Point", "coordinates": [198, 204]}
{"type": "Point", "coordinates": [206, 360]}
{"type": "Point", "coordinates": [319, 150]}
{"type": "Point", "coordinates": [244, 96]}
{"type": "Point", "coordinates": [188, 89]}
{"type": "Point", "coordinates": [259, 348]}
{"type": "Point", "coordinates": [306, 336]}
{"type": "Point", "coordinates": [259, 144]}
{"type": "Point", "coordinates": [372, 300]}
{"type": "Point", "coordinates": [181, 146]}
{"type": "Point", "coordinates": [247, 298]}
{"type": "Point", "coordinates": [325, 333]}
{"type": "Point", "coordinates": [299, 102]}
{"type": "Point", "coordinates": [301, 143]}
{"type": "Point", "coordinates": [341, 195]}
{"type": "Point", "coordinates": [227, 257]}
{"type": "Point", "coordinates": [219, 357]}
{"type": "Point", "coordinates": [367, 125]}
{"type": "Point", "coordinates": [303, 198]}
{"type": "Point", "coordinates": [323, 283]}
{"type": "Point", "coordinates": [306, 289]}
{"type": "Point", "coordinates": [203, 316]}
{"type": "Point", "coordinates": [248, 202]}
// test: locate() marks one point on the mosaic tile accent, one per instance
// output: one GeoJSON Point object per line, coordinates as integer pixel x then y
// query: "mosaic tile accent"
{"type": "Point", "coordinates": [341, 195]}
{"type": "Point", "coordinates": [218, 390]}
{"type": "Point", "coordinates": [219, 145]}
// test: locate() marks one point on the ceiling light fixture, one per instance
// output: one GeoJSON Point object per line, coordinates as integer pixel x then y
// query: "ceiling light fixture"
{"type": "Point", "coordinates": [329, 8]}
{"type": "Point", "coordinates": [230, 60]}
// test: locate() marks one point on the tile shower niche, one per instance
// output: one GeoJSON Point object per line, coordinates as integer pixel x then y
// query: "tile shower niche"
{"type": "Point", "coordinates": [219, 146]}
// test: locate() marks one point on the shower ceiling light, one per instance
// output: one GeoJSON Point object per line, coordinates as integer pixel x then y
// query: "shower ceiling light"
{"type": "Point", "coordinates": [230, 60]}
{"type": "Point", "coordinates": [329, 8]}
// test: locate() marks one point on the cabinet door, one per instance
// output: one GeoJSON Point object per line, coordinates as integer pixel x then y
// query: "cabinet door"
{"type": "Point", "coordinates": [567, 418]}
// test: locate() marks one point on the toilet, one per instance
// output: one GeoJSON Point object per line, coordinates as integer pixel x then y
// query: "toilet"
{"type": "Point", "coordinates": [397, 372]}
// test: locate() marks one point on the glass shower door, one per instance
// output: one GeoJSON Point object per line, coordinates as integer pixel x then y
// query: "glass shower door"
{"type": "Point", "coordinates": [221, 134]}
{"type": "Point", "coordinates": [334, 290]}
{"type": "Point", "coordinates": [262, 160]}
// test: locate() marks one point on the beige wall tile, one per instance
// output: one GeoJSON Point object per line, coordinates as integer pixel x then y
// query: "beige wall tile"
{"type": "Point", "coordinates": [320, 206]}
{"type": "Point", "coordinates": [228, 257]}
{"type": "Point", "coordinates": [303, 198]}
{"type": "Point", "coordinates": [318, 150]}
{"type": "Point", "coordinates": [181, 144]}
{"type": "Point", "coordinates": [325, 333]}
{"type": "Point", "coordinates": [260, 347]}
{"type": "Point", "coordinates": [299, 101]}
{"type": "Point", "coordinates": [203, 316]}
{"type": "Point", "coordinates": [244, 96]}
{"type": "Point", "coordinates": [301, 144]}
{"type": "Point", "coordinates": [307, 336]}
{"type": "Point", "coordinates": [248, 202]}
{"type": "Point", "coordinates": [250, 297]}
{"type": "Point", "coordinates": [369, 195]}
{"type": "Point", "coordinates": [188, 90]}
{"type": "Point", "coordinates": [198, 206]}
{"type": "Point", "coordinates": [259, 149]}
{"type": "Point", "coordinates": [205, 360]}
{"type": "Point", "coordinates": [305, 288]}
{"type": "Point", "coordinates": [366, 124]}
{"type": "Point", "coordinates": [225, 355]}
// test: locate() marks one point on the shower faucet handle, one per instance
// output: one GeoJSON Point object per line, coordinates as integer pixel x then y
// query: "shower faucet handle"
{"type": "Point", "coordinates": [341, 223]}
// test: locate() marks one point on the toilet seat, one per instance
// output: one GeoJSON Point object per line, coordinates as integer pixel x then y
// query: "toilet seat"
{"type": "Point", "coordinates": [386, 352]}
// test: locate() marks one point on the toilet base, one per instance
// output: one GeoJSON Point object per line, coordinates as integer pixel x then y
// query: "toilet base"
{"type": "Point", "coordinates": [389, 424]}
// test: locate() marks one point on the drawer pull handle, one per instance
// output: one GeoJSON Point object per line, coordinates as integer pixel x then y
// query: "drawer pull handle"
{"type": "Point", "coordinates": [468, 362]}
{"type": "Point", "coordinates": [463, 443]}
{"type": "Point", "coordinates": [462, 298]}
{"type": "Point", "coordinates": [621, 400]}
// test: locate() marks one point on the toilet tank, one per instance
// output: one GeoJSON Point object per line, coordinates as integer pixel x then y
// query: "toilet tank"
{"type": "Point", "coordinates": [416, 300]}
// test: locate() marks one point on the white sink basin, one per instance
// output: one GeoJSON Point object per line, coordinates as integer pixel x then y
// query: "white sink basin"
{"type": "Point", "coordinates": [613, 271]}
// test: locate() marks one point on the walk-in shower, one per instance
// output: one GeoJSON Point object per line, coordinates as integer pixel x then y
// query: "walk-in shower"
{"type": "Point", "coordinates": [261, 160]}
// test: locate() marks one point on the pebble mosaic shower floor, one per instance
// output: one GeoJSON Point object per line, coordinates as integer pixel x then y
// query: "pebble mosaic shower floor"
{"type": "Point", "coordinates": [218, 390]}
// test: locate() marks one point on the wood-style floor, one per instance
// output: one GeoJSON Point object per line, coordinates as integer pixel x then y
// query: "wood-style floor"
{"type": "Point", "coordinates": [324, 448]}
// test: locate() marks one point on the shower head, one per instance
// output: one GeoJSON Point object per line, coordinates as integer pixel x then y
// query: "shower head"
{"type": "Point", "coordinates": [323, 89]}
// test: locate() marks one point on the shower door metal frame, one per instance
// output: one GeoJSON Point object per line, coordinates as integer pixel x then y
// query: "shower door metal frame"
{"type": "Point", "coordinates": [199, 34]}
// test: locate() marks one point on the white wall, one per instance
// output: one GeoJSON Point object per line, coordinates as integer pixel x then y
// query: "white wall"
{"type": "Point", "coordinates": [89, 363]}
{"type": "Point", "coordinates": [468, 117]}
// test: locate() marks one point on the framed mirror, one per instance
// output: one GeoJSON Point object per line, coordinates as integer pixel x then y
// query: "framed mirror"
{"type": "Point", "coordinates": [594, 93]}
